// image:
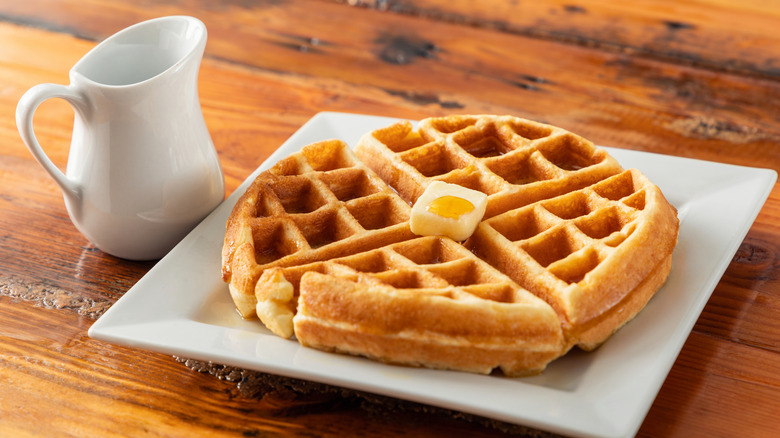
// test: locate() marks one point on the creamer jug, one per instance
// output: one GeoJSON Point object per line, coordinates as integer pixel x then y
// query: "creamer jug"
{"type": "Point", "coordinates": [142, 170]}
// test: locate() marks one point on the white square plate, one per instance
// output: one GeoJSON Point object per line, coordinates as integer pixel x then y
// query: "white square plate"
{"type": "Point", "coordinates": [182, 307]}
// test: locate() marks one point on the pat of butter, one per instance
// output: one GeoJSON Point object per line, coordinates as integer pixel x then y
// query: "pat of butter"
{"type": "Point", "coordinates": [448, 210]}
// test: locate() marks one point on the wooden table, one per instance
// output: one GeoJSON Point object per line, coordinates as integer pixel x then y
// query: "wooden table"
{"type": "Point", "coordinates": [686, 78]}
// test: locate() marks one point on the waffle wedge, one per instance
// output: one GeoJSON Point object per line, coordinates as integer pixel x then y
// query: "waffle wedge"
{"type": "Point", "coordinates": [315, 205]}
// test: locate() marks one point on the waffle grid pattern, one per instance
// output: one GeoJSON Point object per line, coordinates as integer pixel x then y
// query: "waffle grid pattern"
{"type": "Point", "coordinates": [514, 161]}
{"type": "Point", "coordinates": [571, 234]}
{"type": "Point", "coordinates": [429, 265]}
{"type": "Point", "coordinates": [431, 292]}
{"type": "Point", "coordinates": [571, 246]}
{"type": "Point", "coordinates": [316, 205]}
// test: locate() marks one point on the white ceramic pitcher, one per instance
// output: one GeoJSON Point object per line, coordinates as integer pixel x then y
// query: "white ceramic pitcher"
{"type": "Point", "coordinates": [142, 169]}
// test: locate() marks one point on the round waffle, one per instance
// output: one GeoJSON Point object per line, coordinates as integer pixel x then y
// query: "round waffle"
{"type": "Point", "coordinates": [571, 246]}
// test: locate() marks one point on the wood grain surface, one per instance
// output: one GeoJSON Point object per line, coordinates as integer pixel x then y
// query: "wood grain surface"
{"type": "Point", "coordinates": [688, 78]}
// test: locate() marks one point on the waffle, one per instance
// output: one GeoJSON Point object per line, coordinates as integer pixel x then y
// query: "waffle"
{"type": "Point", "coordinates": [429, 302]}
{"type": "Point", "coordinates": [571, 246]}
{"type": "Point", "coordinates": [315, 205]}
{"type": "Point", "coordinates": [514, 161]}
{"type": "Point", "coordinates": [596, 255]}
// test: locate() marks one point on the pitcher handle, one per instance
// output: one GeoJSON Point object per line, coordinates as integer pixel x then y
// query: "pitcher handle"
{"type": "Point", "coordinates": [25, 110]}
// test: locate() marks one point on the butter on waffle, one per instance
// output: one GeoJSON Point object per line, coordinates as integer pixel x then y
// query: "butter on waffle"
{"type": "Point", "coordinates": [571, 246]}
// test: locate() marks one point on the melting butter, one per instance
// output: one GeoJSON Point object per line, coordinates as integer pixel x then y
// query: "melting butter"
{"type": "Point", "coordinates": [446, 209]}
{"type": "Point", "coordinates": [449, 206]}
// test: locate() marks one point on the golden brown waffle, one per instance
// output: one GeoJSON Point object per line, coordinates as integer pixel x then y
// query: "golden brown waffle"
{"type": "Point", "coordinates": [427, 301]}
{"type": "Point", "coordinates": [514, 161]}
{"type": "Point", "coordinates": [315, 205]}
{"type": "Point", "coordinates": [596, 255]}
{"type": "Point", "coordinates": [571, 247]}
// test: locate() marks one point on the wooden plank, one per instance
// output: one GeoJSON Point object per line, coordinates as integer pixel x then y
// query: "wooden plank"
{"type": "Point", "coordinates": [719, 35]}
{"type": "Point", "coordinates": [709, 382]}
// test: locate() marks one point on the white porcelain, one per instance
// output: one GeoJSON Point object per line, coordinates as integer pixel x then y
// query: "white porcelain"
{"type": "Point", "coordinates": [142, 169]}
{"type": "Point", "coordinates": [605, 393]}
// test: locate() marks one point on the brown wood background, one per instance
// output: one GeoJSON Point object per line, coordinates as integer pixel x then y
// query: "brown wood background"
{"type": "Point", "coordinates": [687, 78]}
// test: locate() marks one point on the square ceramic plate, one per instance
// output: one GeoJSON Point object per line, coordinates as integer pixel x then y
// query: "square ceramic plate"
{"type": "Point", "coordinates": [182, 307]}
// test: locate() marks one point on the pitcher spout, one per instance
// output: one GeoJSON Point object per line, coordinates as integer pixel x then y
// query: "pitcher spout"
{"type": "Point", "coordinates": [145, 51]}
